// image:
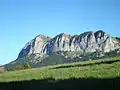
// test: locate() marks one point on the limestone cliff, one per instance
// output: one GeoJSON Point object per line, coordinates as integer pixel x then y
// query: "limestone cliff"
{"type": "Point", "coordinates": [85, 42]}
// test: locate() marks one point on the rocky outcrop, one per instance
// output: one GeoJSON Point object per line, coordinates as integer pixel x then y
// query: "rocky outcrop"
{"type": "Point", "coordinates": [34, 46]}
{"type": "Point", "coordinates": [85, 42]}
{"type": "Point", "coordinates": [63, 48]}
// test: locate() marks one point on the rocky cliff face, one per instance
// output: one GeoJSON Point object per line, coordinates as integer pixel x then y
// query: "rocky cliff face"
{"type": "Point", "coordinates": [34, 46]}
{"type": "Point", "coordinates": [85, 42]}
{"type": "Point", "coordinates": [63, 48]}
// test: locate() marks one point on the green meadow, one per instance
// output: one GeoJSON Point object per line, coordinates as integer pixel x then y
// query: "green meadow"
{"type": "Point", "coordinates": [100, 69]}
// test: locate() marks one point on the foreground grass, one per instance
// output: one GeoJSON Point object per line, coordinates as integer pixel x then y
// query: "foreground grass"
{"type": "Point", "coordinates": [88, 69]}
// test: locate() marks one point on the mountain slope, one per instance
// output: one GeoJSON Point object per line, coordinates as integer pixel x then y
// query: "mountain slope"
{"type": "Point", "coordinates": [34, 46]}
{"type": "Point", "coordinates": [66, 47]}
{"type": "Point", "coordinates": [104, 68]}
{"type": "Point", "coordinates": [85, 42]}
{"type": "Point", "coordinates": [89, 75]}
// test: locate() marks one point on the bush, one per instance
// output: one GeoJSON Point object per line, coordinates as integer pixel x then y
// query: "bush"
{"type": "Point", "coordinates": [27, 66]}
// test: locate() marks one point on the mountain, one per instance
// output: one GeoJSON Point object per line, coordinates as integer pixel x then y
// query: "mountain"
{"type": "Point", "coordinates": [43, 50]}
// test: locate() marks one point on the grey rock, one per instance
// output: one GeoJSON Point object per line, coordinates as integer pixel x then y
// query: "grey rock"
{"type": "Point", "coordinates": [35, 46]}
{"type": "Point", "coordinates": [43, 50]}
{"type": "Point", "coordinates": [85, 42]}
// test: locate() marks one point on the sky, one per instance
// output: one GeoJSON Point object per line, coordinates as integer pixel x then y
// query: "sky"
{"type": "Point", "coordinates": [22, 20]}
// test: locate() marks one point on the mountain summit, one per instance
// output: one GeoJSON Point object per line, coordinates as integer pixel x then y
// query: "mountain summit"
{"type": "Point", "coordinates": [85, 42]}
{"type": "Point", "coordinates": [42, 47]}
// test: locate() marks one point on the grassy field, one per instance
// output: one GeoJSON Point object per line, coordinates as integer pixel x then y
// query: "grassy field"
{"type": "Point", "coordinates": [100, 69]}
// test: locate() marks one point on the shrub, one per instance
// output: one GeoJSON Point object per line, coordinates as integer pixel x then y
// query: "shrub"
{"type": "Point", "coordinates": [27, 66]}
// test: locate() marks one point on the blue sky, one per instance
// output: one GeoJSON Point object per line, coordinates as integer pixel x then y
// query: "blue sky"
{"type": "Point", "coordinates": [22, 20]}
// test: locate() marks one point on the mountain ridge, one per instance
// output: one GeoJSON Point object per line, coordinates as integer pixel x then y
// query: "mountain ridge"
{"type": "Point", "coordinates": [65, 42]}
{"type": "Point", "coordinates": [65, 46]}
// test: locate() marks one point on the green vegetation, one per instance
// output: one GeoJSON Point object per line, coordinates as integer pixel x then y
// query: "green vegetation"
{"type": "Point", "coordinates": [84, 34]}
{"type": "Point", "coordinates": [114, 38]}
{"type": "Point", "coordinates": [59, 58]}
{"type": "Point", "coordinates": [22, 67]}
{"type": "Point", "coordinates": [27, 66]}
{"type": "Point", "coordinates": [105, 68]}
